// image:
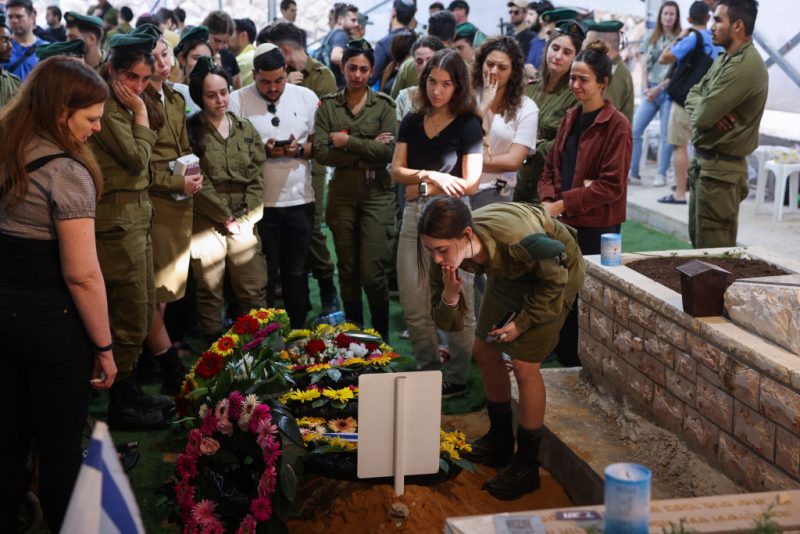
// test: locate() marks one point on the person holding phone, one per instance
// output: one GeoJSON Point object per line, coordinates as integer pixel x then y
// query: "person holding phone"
{"type": "Point", "coordinates": [533, 267]}
{"type": "Point", "coordinates": [283, 115]}
{"type": "Point", "coordinates": [354, 132]}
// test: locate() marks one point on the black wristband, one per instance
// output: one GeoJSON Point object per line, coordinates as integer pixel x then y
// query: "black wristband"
{"type": "Point", "coordinates": [104, 349]}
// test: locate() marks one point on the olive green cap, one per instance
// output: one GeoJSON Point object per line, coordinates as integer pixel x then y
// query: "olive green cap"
{"type": "Point", "coordinates": [363, 19]}
{"type": "Point", "coordinates": [541, 247]}
{"type": "Point", "coordinates": [466, 29]}
{"type": "Point", "coordinates": [139, 43]}
{"type": "Point", "coordinates": [73, 17]}
{"type": "Point", "coordinates": [606, 26]}
{"type": "Point", "coordinates": [75, 47]}
{"type": "Point", "coordinates": [147, 29]}
{"type": "Point", "coordinates": [554, 15]}
{"type": "Point", "coordinates": [570, 27]}
{"type": "Point", "coordinates": [198, 32]}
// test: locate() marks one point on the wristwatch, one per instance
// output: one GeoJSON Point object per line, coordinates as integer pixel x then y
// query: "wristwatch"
{"type": "Point", "coordinates": [422, 189]}
{"type": "Point", "coordinates": [300, 151]}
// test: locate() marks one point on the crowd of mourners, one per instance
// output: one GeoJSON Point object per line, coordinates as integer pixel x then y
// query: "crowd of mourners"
{"type": "Point", "coordinates": [159, 177]}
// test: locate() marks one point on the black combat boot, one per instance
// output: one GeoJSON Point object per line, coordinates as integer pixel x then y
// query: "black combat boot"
{"type": "Point", "coordinates": [147, 369]}
{"type": "Point", "coordinates": [354, 311]}
{"type": "Point", "coordinates": [380, 319]}
{"type": "Point", "coordinates": [521, 476]}
{"type": "Point", "coordinates": [173, 370]}
{"type": "Point", "coordinates": [328, 299]}
{"type": "Point", "coordinates": [496, 447]}
{"type": "Point", "coordinates": [127, 412]}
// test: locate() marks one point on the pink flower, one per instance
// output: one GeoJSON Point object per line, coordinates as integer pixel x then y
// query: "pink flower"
{"type": "Point", "coordinates": [261, 509]}
{"type": "Point", "coordinates": [203, 512]}
{"type": "Point", "coordinates": [235, 409]}
{"type": "Point", "coordinates": [265, 426]}
{"type": "Point", "coordinates": [225, 427]}
{"type": "Point", "coordinates": [248, 525]}
{"type": "Point", "coordinates": [260, 411]}
{"type": "Point", "coordinates": [272, 450]}
{"type": "Point", "coordinates": [209, 425]}
{"type": "Point", "coordinates": [213, 527]}
{"type": "Point", "coordinates": [209, 446]}
{"type": "Point", "coordinates": [221, 410]}
{"type": "Point", "coordinates": [186, 466]}
{"type": "Point", "coordinates": [193, 441]}
{"type": "Point", "coordinates": [269, 479]}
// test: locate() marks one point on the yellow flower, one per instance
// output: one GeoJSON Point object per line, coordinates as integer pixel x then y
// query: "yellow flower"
{"type": "Point", "coordinates": [297, 334]}
{"type": "Point", "coordinates": [448, 448]}
{"type": "Point", "coordinates": [340, 395]}
{"type": "Point", "coordinates": [347, 327]}
{"type": "Point", "coordinates": [353, 361]}
{"type": "Point", "coordinates": [325, 329]}
{"type": "Point", "coordinates": [317, 368]}
{"type": "Point", "coordinates": [225, 345]}
{"type": "Point", "coordinates": [285, 355]}
{"type": "Point", "coordinates": [342, 444]}
{"type": "Point", "coordinates": [379, 361]}
{"type": "Point", "coordinates": [305, 396]}
{"type": "Point", "coordinates": [373, 332]}
{"type": "Point", "coordinates": [312, 436]}
{"type": "Point", "coordinates": [343, 425]}
{"type": "Point", "coordinates": [310, 421]}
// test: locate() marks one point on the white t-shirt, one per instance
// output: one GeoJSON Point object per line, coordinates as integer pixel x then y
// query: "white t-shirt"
{"type": "Point", "coordinates": [502, 134]}
{"type": "Point", "coordinates": [287, 181]}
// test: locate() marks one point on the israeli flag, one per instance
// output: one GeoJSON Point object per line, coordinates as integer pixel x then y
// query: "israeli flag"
{"type": "Point", "coordinates": [102, 500]}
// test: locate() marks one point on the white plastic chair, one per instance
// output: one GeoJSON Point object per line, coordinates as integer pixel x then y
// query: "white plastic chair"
{"type": "Point", "coordinates": [784, 172]}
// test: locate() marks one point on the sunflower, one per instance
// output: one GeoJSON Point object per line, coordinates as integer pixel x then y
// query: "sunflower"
{"type": "Point", "coordinates": [225, 345]}
{"type": "Point", "coordinates": [309, 422]}
{"type": "Point", "coordinates": [354, 361]}
{"type": "Point", "coordinates": [318, 367]}
{"type": "Point", "coordinates": [339, 395]}
{"type": "Point", "coordinates": [347, 327]}
{"type": "Point", "coordinates": [379, 361]}
{"type": "Point", "coordinates": [325, 330]}
{"type": "Point", "coordinates": [262, 315]}
{"type": "Point", "coordinates": [342, 444]}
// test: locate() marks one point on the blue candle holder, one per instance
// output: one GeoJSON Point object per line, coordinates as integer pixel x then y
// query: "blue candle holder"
{"type": "Point", "coordinates": [627, 499]}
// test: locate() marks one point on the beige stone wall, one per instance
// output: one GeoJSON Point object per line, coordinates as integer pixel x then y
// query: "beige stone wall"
{"type": "Point", "coordinates": [738, 409]}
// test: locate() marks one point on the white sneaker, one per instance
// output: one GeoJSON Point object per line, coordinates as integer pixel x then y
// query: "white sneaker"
{"type": "Point", "coordinates": [659, 181]}
{"type": "Point", "coordinates": [634, 180]}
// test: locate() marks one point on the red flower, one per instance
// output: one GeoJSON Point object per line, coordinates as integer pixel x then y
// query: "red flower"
{"type": "Point", "coordinates": [342, 340]}
{"type": "Point", "coordinates": [261, 509]}
{"type": "Point", "coordinates": [186, 466]}
{"type": "Point", "coordinates": [209, 425]}
{"type": "Point", "coordinates": [210, 364]}
{"type": "Point", "coordinates": [246, 324]}
{"type": "Point", "coordinates": [226, 343]}
{"type": "Point", "coordinates": [315, 346]}
{"type": "Point", "coordinates": [372, 347]}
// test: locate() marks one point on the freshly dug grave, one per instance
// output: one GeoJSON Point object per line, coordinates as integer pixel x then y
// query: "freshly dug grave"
{"type": "Point", "coordinates": [663, 270]}
{"type": "Point", "coordinates": [326, 505]}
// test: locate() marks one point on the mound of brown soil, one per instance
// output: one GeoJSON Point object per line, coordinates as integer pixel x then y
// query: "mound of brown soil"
{"type": "Point", "coordinates": [663, 270]}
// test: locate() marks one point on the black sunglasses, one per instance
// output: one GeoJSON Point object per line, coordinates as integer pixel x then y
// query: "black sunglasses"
{"type": "Point", "coordinates": [272, 109]}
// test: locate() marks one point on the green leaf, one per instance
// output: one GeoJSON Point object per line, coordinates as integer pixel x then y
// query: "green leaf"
{"type": "Point", "coordinates": [319, 403]}
{"type": "Point", "coordinates": [443, 465]}
{"type": "Point", "coordinates": [197, 393]}
{"type": "Point", "coordinates": [316, 377]}
{"type": "Point", "coordinates": [288, 480]}
{"type": "Point", "coordinates": [287, 425]}
{"type": "Point", "coordinates": [334, 374]}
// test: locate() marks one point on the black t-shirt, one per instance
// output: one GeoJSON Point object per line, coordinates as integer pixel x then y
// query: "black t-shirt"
{"type": "Point", "coordinates": [445, 152]}
{"type": "Point", "coordinates": [569, 156]}
{"type": "Point", "coordinates": [229, 62]}
{"type": "Point", "coordinates": [524, 39]}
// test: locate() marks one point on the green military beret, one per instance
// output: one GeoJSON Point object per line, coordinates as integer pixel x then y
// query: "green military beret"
{"type": "Point", "coordinates": [541, 247]}
{"type": "Point", "coordinates": [199, 33]}
{"type": "Point", "coordinates": [147, 29]}
{"type": "Point", "coordinates": [570, 27]}
{"type": "Point", "coordinates": [363, 19]}
{"type": "Point", "coordinates": [203, 66]}
{"type": "Point", "coordinates": [466, 30]}
{"type": "Point", "coordinates": [75, 47]}
{"type": "Point", "coordinates": [143, 44]}
{"type": "Point", "coordinates": [72, 17]}
{"type": "Point", "coordinates": [605, 26]}
{"type": "Point", "coordinates": [360, 44]}
{"type": "Point", "coordinates": [554, 15]}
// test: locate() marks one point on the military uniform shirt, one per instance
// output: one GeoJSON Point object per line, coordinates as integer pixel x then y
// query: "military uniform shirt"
{"type": "Point", "coordinates": [172, 142]}
{"type": "Point", "coordinates": [735, 85]}
{"type": "Point", "coordinates": [406, 77]}
{"type": "Point", "coordinates": [9, 85]}
{"type": "Point", "coordinates": [318, 78]}
{"type": "Point", "coordinates": [620, 90]}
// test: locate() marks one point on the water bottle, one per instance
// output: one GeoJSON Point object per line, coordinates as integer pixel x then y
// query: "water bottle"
{"type": "Point", "coordinates": [333, 319]}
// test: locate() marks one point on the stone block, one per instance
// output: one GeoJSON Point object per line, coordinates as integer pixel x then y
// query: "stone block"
{"type": "Point", "coordinates": [614, 371]}
{"type": "Point", "coordinates": [768, 309]}
{"type": "Point", "coordinates": [621, 309]}
{"type": "Point", "coordinates": [641, 331]}
{"type": "Point", "coordinates": [712, 377]}
{"type": "Point", "coordinates": [591, 353]}
{"type": "Point", "coordinates": [685, 366]}
{"type": "Point", "coordinates": [671, 332]}
{"type": "Point", "coordinates": [787, 452]}
{"type": "Point", "coordinates": [660, 349]}
{"type": "Point", "coordinates": [740, 381]}
{"type": "Point", "coordinates": [641, 314]}
{"type": "Point", "coordinates": [738, 462]}
{"type": "Point", "coordinates": [780, 404]}
{"type": "Point", "coordinates": [681, 387]}
{"type": "Point", "coordinates": [701, 432]}
{"type": "Point", "coordinates": [715, 404]}
{"type": "Point", "coordinates": [610, 297]}
{"type": "Point", "coordinates": [584, 311]}
{"type": "Point", "coordinates": [592, 290]}
{"type": "Point", "coordinates": [639, 387]}
{"type": "Point", "coordinates": [773, 479]}
{"type": "Point", "coordinates": [703, 352]}
{"type": "Point", "coordinates": [754, 430]}
{"type": "Point", "coordinates": [667, 409]}
{"type": "Point", "coordinates": [601, 327]}
{"type": "Point", "coordinates": [628, 345]}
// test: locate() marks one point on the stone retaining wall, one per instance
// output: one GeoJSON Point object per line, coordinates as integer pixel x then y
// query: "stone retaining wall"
{"type": "Point", "coordinates": [731, 395]}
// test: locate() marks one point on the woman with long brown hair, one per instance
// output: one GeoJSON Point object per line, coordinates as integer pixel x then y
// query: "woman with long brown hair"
{"type": "Point", "coordinates": [124, 212]}
{"type": "Point", "coordinates": [439, 152]}
{"type": "Point", "coordinates": [53, 311]}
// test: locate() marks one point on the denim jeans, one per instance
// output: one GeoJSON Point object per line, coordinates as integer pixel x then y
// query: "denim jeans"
{"type": "Point", "coordinates": [415, 299]}
{"type": "Point", "coordinates": [644, 114]}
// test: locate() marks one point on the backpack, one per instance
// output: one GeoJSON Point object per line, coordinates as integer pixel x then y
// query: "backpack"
{"type": "Point", "coordinates": [323, 52]}
{"type": "Point", "coordinates": [691, 71]}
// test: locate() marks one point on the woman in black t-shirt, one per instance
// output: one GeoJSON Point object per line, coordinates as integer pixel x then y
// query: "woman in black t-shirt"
{"type": "Point", "coordinates": [439, 152]}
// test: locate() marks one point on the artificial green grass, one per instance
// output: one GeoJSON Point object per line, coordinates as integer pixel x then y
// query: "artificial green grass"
{"type": "Point", "coordinates": [159, 449]}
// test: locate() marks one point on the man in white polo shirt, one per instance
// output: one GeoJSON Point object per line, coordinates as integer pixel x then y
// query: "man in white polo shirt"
{"type": "Point", "coordinates": [283, 114]}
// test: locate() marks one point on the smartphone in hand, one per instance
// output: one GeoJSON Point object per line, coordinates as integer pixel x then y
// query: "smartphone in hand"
{"type": "Point", "coordinates": [507, 318]}
{"type": "Point", "coordinates": [282, 142]}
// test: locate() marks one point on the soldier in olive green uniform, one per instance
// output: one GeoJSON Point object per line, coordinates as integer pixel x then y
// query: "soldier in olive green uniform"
{"type": "Point", "coordinates": [726, 108]}
{"type": "Point", "coordinates": [231, 202]}
{"type": "Point", "coordinates": [361, 206]}
{"type": "Point", "coordinates": [620, 89]}
{"type": "Point", "coordinates": [123, 148]}
{"type": "Point", "coordinates": [8, 82]}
